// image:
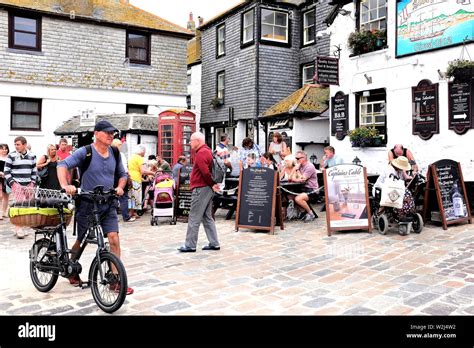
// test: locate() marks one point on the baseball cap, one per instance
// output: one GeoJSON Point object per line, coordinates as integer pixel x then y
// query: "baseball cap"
{"type": "Point", "coordinates": [104, 126]}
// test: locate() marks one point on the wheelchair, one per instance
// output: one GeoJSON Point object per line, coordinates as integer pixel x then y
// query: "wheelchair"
{"type": "Point", "coordinates": [387, 217]}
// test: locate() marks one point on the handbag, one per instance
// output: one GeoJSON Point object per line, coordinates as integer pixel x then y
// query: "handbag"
{"type": "Point", "coordinates": [43, 172]}
{"type": "Point", "coordinates": [393, 192]}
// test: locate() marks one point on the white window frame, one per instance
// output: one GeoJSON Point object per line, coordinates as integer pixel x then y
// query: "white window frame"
{"type": "Point", "coordinates": [221, 40]}
{"type": "Point", "coordinates": [362, 116]}
{"type": "Point", "coordinates": [304, 78]}
{"type": "Point", "coordinates": [374, 23]}
{"type": "Point", "coordinates": [307, 28]}
{"type": "Point", "coordinates": [246, 25]}
{"type": "Point", "coordinates": [275, 25]}
{"type": "Point", "coordinates": [220, 85]}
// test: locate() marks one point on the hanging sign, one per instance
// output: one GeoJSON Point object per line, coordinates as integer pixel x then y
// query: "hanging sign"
{"type": "Point", "coordinates": [445, 194]}
{"type": "Point", "coordinates": [339, 115]}
{"type": "Point", "coordinates": [425, 111]}
{"type": "Point", "coordinates": [327, 71]}
{"type": "Point", "coordinates": [460, 106]}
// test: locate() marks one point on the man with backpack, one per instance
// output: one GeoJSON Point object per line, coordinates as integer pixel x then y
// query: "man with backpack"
{"type": "Point", "coordinates": [203, 186]}
{"type": "Point", "coordinates": [99, 164]}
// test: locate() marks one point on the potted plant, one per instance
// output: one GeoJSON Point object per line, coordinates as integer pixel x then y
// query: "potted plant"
{"type": "Point", "coordinates": [363, 136]}
{"type": "Point", "coordinates": [216, 102]}
{"type": "Point", "coordinates": [380, 38]}
{"type": "Point", "coordinates": [461, 69]}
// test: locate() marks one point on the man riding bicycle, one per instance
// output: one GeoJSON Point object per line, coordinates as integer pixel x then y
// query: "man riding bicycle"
{"type": "Point", "coordinates": [101, 171]}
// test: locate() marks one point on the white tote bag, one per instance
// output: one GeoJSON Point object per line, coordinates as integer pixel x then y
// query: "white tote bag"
{"type": "Point", "coordinates": [393, 191]}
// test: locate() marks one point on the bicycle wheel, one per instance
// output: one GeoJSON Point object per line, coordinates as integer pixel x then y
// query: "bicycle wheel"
{"type": "Point", "coordinates": [41, 254]}
{"type": "Point", "coordinates": [108, 292]}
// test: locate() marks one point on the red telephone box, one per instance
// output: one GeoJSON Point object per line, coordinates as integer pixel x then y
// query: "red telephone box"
{"type": "Point", "coordinates": [175, 127]}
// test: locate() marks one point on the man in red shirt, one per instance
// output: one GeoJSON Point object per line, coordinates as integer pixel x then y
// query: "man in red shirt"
{"type": "Point", "coordinates": [63, 153]}
{"type": "Point", "coordinates": [203, 188]}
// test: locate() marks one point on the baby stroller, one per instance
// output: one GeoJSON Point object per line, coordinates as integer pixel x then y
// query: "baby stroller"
{"type": "Point", "coordinates": [406, 218]}
{"type": "Point", "coordinates": [163, 198]}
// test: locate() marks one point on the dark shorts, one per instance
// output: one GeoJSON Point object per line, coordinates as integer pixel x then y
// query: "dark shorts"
{"type": "Point", "coordinates": [107, 214]}
{"type": "Point", "coordinates": [311, 196]}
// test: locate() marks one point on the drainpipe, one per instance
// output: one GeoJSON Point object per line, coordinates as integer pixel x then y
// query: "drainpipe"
{"type": "Point", "coordinates": [257, 72]}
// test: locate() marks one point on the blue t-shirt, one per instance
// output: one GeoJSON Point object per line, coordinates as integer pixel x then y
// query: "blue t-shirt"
{"type": "Point", "coordinates": [101, 170]}
{"type": "Point", "coordinates": [336, 160]}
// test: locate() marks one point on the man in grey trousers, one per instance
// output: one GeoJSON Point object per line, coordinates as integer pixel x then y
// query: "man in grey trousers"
{"type": "Point", "coordinates": [203, 189]}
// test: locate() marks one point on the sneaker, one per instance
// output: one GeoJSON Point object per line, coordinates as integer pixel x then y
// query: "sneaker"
{"type": "Point", "coordinates": [301, 215]}
{"type": "Point", "coordinates": [116, 288]}
{"type": "Point", "coordinates": [309, 218]}
{"type": "Point", "coordinates": [75, 280]}
{"type": "Point", "coordinates": [131, 219]}
{"type": "Point", "coordinates": [20, 234]}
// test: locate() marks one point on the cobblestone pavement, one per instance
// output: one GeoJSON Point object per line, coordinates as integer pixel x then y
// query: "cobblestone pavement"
{"type": "Point", "coordinates": [298, 271]}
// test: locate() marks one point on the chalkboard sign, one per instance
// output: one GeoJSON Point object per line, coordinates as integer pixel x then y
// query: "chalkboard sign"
{"type": "Point", "coordinates": [425, 111]}
{"type": "Point", "coordinates": [183, 195]}
{"type": "Point", "coordinates": [445, 194]}
{"type": "Point", "coordinates": [339, 115]}
{"type": "Point", "coordinates": [256, 203]}
{"type": "Point", "coordinates": [347, 198]}
{"type": "Point", "coordinates": [460, 106]}
{"type": "Point", "coordinates": [327, 71]}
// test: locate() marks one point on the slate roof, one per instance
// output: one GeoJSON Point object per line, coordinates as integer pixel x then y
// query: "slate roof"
{"type": "Point", "coordinates": [102, 11]}
{"type": "Point", "coordinates": [310, 99]}
{"type": "Point", "coordinates": [123, 122]}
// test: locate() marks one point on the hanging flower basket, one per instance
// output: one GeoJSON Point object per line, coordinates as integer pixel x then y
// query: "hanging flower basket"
{"type": "Point", "coordinates": [216, 102]}
{"type": "Point", "coordinates": [460, 69]}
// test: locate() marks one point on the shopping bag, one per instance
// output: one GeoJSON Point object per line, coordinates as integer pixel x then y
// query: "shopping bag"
{"type": "Point", "coordinates": [393, 191]}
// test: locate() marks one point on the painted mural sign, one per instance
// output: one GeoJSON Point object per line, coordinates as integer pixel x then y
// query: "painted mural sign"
{"type": "Point", "coordinates": [424, 25]}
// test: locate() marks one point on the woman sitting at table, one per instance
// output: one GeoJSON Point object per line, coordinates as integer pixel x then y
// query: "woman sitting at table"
{"type": "Point", "coordinates": [268, 161]}
{"type": "Point", "coordinates": [288, 171]}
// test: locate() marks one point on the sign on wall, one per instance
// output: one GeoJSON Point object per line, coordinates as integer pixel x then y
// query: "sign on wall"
{"type": "Point", "coordinates": [425, 25]}
{"type": "Point", "coordinates": [425, 110]}
{"type": "Point", "coordinates": [460, 99]}
{"type": "Point", "coordinates": [327, 71]}
{"type": "Point", "coordinates": [340, 115]}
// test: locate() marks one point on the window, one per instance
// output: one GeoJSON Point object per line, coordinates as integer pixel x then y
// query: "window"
{"type": "Point", "coordinates": [373, 14]}
{"type": "Point", "coordinates": [167, 143]}
{"type": "Point", "coordinates": [220, 85]}
{"type": "Point", "coordinates": [220, 40]}
{"type": "Point", "coordinates": [274, 26]}
{"type": "Point", "coordinates": [247, 27]}
{"type": "Point", "coordinates": [26, 114]}
{"type": "Point", "coordinates": [372, 110]}
{"type": "Point", "coordinates": [138, 48]}
{"type": "Point", "coordinates": [308, 27]}
{"type": "Point", "coordinates": [307, 74]}
{"type": "Point", "coordinates": [24, 32]}
{"type": "Point", "coordinates": [137, 109]}
{"type": "Point", "coordinates": [188, 78]}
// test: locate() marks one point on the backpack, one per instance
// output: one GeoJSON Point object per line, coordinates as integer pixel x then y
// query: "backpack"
{"type": "Point", "coordinates": [218, 169]}
{"type": "Point", "coordinates": [88, 159]}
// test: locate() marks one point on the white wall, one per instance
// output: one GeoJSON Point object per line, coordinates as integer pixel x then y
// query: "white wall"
{"type": "Point", "coordinates": [311, 130]}
{"type": "Point", "coordinates": [194, 89]}
{"type": "Point", "coordinates": [398, 76]}
{"type": "Point", "coordinates": [59, 104]}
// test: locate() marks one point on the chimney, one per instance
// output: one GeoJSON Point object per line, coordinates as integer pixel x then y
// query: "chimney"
{"type": "Point", "coordinates": [191, 25]}
{"type": "Point", "coordinates": [201, 20]}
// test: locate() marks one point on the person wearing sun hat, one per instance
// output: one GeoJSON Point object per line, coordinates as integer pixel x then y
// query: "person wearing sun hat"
{"type": "Point", "coordinates": [397, 167]}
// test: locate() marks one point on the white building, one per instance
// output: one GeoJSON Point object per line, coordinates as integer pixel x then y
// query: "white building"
{"type": "Point", "coordinates": [64, 58]}
{"type": "Point", "coordinates": [379, 83]}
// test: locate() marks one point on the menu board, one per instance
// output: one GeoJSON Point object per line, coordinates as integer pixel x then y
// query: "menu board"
{"type": "Point", "coordinates": [425, 111]}
{"type": "Point", "coordinates": [347, 198]}
{"type": "Point", "coordinates": [446, 178]}
{"type": "Point", "coordinates": [256, 200]}
{"type": "Point", "coordinates": [327, 71]}
{"type": "Point", "coordinates": [460, 106]}
{"type": "Point", "coordinates": [183, 204]}
{"type": "Point", "coordinates": [339, 115]}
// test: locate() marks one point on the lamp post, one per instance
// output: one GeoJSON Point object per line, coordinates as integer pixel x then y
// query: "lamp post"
{"type": "Point", "coordinates": [356, 161]}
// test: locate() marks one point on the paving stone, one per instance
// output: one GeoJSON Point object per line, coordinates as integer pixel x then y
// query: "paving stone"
{"type": "Point", "coordinates": [291, 283]}
{"type": "Point", "coordinates": [360, 311]}
{"type": "Point", "coordinates": [318, 302]}
{"type": "Point", "coordinates": [53, 311]}
{"type": "Point", "coordinates": [145, 283]}
{"type": "Point", "coordinates": [371, 263]}
{"type": "Point", "coordinates": [467, 291]}
{"type": "Point", "coordinates": [439, 309]}
{"type": "Point", "coordinates": [172, 307]}
{"type": "Point", "coordinates": [263, 282]}
{"type": "Point", "coordinates": [323, 272]}
{"type": "Point", "coordinates": [85, 311]}
{"type": "Point", "coordinates": [457, 300]}
{"type": "Point", "coordinates": [317, 293]}
{"type": "Point", "coordinates": [381, 267]}
{"type": "Point", "coordinates": [413, 287]}
{"type": "Point", "coordinates": [469, 310]}
{"type": "Point", "coordinates": [164, 284]}
{"type": "Point", "coordinates": [25, 310]}
{"type": "Point", "coordinates": [85, 303]}
{"type": "Point", "coordinates": [421, 299]}
{"type": "Point", "coordinates": [404, 278]}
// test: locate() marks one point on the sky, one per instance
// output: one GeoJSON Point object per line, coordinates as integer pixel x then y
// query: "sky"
{"type": "Point", "coordinates": [177, 11]}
